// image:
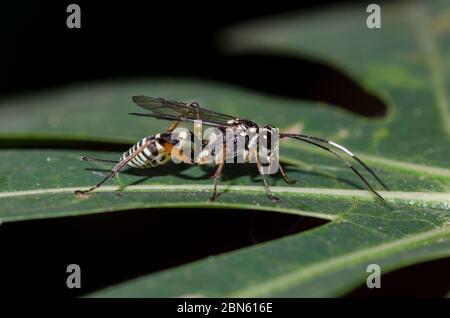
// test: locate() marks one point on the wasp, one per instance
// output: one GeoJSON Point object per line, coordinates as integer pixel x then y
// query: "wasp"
{"type": "Point", "coordinates": [156, 150]}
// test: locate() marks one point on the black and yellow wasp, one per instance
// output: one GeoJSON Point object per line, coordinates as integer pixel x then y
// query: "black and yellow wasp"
{"type": "Point", "coordinates": [156, 150]}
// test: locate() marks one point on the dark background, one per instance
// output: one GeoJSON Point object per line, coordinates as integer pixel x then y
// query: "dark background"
{"type": "Point", "coordinates": [126, 38]}
{"type": "Point", "coordinates": [137, 38]}
{"type": "Point", "coordinates": [161, 38]}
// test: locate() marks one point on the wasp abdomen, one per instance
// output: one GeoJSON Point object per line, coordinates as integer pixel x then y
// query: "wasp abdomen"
{"type": "Point", "coordinates": [151, 156]}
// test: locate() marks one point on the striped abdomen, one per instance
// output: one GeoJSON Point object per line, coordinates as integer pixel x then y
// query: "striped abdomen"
{"type": "Point", "coordinates": [153, 155]}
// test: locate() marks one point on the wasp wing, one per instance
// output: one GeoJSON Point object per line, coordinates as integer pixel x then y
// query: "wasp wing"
{"type": "Point", "coordinates": [173, 110]}
{"type": "Point", "coordinates": [175, 118]}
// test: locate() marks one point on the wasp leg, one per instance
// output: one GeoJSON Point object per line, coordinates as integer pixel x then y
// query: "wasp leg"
{"type": "Point", "coordinates": [216, 177]}
{"type": "Point", "coordinates": [285, 176]}
{"type": "Point", "coordinates": [272, 197]}
{"type": "Point", "coordinates": [109, 176]}
{"type": "Point", "coordinates": [99, 160]}
{"type": "Point", "coordinates": [173, 126]}
{"type": "Point", "coordinates": [122, 164]}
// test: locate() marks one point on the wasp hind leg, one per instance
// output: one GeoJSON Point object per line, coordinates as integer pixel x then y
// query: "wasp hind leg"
{"type": "Point", "coordinates": [115, 170]}
{"type": "Point", "coordinates": [98, 160]}
{"type": "Point", "coordinates": [109, 176]}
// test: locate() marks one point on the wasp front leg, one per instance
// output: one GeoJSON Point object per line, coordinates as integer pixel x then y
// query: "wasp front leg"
{"type": "Point", "coordinates": [271, 196]}
{"type": "Point", "coordinates": [285, 176]}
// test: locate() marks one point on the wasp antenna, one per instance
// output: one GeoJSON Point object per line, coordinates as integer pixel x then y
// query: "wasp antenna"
{"type": "Point", "coordinates": [342, 148]}
{"type": "Point", "coordinates": [371, 172]}
{"type": "Point", "coordinates": [356, 158]}
{"type": "Point", "coordinates": [360, 176]}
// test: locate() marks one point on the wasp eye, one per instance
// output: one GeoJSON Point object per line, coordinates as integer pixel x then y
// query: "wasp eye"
{"type": "Point", "coordinates": [194, 104]}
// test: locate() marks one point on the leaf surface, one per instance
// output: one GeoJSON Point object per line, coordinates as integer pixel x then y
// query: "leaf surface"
{"type": "Point", "coordinates": [409, 149]}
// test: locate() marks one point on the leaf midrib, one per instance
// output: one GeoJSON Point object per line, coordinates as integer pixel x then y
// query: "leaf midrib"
{"type": "Point", "coordinates": [389, 195]}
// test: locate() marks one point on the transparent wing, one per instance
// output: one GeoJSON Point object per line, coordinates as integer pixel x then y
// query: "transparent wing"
{"type": "Point", "coordinates": [172, 110]}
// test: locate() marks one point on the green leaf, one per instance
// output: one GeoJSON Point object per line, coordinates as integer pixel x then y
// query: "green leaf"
{"type": "Point", "coordinates": [41, 184]}
{"type": "Point", "coordinates": [410, 150]}
{"type": "Point", "coordinates": [404, 62]}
